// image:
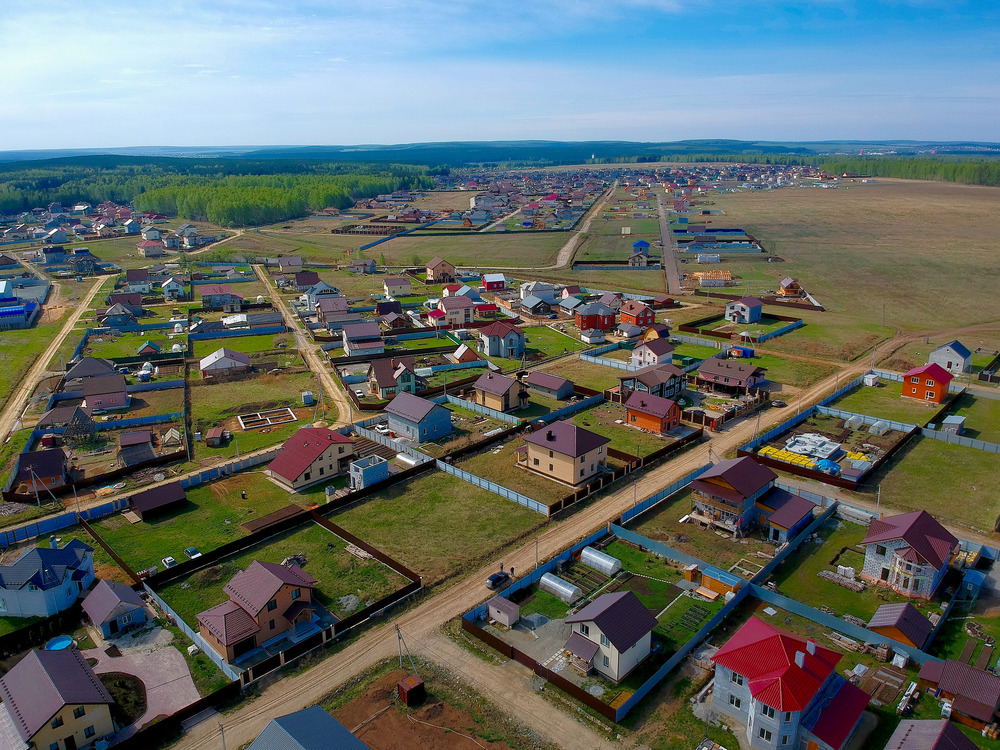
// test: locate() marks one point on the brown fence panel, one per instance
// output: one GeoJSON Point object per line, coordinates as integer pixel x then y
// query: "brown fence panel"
{"type": "Point", "coordinates": [302, 647]}
{"type": "Point", "coordinates": [153, 734]}
{"type": "Point", "coordinates": [522, 658]}
{"type": "Point", "coordinates": [268, 665]}
{"type": "Point", "coordinates": [107, 548]}
{"type": "Point", "coordinates": [577, 692]}
{"type": "Point", "coordinates": [488, 638]}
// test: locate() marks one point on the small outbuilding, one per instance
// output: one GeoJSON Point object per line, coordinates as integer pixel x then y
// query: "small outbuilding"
{"type": "Point", "coordinates": [156, 500]}
{"type": "Point", "coordinates": [503, 610]}
{"type": "Point", "coordinates": [113, 608]}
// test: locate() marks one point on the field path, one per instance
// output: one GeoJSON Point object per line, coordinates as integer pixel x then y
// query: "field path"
{"type": "Point", "coordinates": [669, 246]}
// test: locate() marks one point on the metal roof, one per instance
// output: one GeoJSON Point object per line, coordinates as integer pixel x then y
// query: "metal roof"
{"type": "Point", "coordinates": [786, 509]}
{"type": "Point", "coordinates": [546, 380]}
{"type": "Point", "coordinates": [157, 497]}
{"type": "Point", "coordinates": [839, 716]}
{"type": "Point", "coordinates": [619, 616]}
{"type": "Point", "coordinates": [904, 617]}
{"type": "Point", "coordinates": [110, 600]}
{"type": "Point", "coordinates": [90, 367]}
{"type": "Point", "coordinates": [647, 403]}
{"type": "Point", "coordinates": [44, 567]}
{"type": "Point", "coordinates": [254, 587]}
{"type": "Point", "coordinates": [919, 529]}
{"type": "Point", "coordinates": [500, 328]}
{"type": "Point", "coordinates": [411, 408]}
{"type": "Point", "coordinates": [744, 475]}
{"type": "Point", "coordinates": [928, 734]}
{"type": "Point", "coordinates": [494, 383]}
{"type": "Point", "coordinates": [309, 729]}
{"type": "Point", "coordinates": [220, 354]}
{"type": "Point", "coordinates": [566, 438]}
{"type": "Point", "coordinates": [104, 384]}
{"type": "Point", "coordinates": [228, 622]}
{"type": "Point", "coordinates": [301, 449]}
{"type": "Point", "coordinates": [42, 464]}
{"type": "Point", "coordinates": [933, 371]}
{"type": "Point", "coordinates": [659, 346]}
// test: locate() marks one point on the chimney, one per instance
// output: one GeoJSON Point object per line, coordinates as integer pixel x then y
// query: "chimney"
{"type": "Point", "coordinates": [811, 647]}
{"type": "Point", "coordinates": [550, 435]}
{"type": "Point", "coordinates": [800, 659]}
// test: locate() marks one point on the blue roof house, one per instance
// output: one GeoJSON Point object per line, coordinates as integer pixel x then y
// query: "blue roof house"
{"type": "Point", "coordinates": [42, 582]}
{"type": "Point", "coordinates": [309, 729]}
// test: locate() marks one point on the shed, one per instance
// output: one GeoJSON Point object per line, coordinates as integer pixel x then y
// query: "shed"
{"type": "Point", "coordinates": [214, 437]}
{"type": "Point", "coordinates": [158, 500]}
{"type": "Point", "coordinates": [503, 610]}
{"type": "Point", "coordinates": [953, 425]}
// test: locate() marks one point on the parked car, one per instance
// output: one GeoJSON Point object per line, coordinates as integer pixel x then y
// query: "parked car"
{"type": "Point", "coordinates": [382, 429]}
{"type": "Point", "coordinates": [359, 393]}
{"type": "Point", "coordinates": [168, 562]}
{"type": "Point", "coordinates": [497, 581]}
{"type": "Point", "coordinates": [192, 553]}
{"type": "Point", "coordinates": [778, 403]}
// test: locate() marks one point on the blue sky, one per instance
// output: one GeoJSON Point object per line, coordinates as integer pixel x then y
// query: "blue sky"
{"type": "Point", "coordinates": [106, 74]}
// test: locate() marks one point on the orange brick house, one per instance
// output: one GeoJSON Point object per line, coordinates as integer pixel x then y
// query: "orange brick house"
{"type": "Point", "coordinates": [636, 313]}
{"type": "Point", "coordinates": [927, 383]}
{"type": "Point", "coordinates": [652, 413]}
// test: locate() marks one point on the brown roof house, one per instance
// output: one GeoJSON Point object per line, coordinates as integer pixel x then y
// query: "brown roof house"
{"type": "Point", "coordinates": [53, 699]}
{"type": "Point", "coordinates": [928, 734]}
{"type": "Point", "coordinates": [564, 452]}
{"type": "Point", "coordinates": [612, 635]}
{"type": "Point", "coordinates": [311, 455]}
{"type": "Point", "coordinates": [439, 270]}
{"type": "Point", "coordinates": [974, 693]}
{"type": "Point", "coordinates": [158, 500]}
{"type": "Point", "coordinates": [387, 377]}
{"type": "Point", "coordinates": [909, 553]}
{"type": "Point", "coordinates": [499, 392]}
{"type": "Point", "coordinates": [665, 381]}
{"type": "Point", "coordinates": [266, 601]}
{"type": "Point", "coordinates": [105, 393]}
{"type": "Point", "coordinates": [42, 469]}
{"type": "Point", "coordinates": [901, 622]}
{"type": "Point", "coordinates": [729, 375]}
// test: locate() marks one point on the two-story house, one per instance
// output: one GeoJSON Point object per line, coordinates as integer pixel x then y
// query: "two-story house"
{"type": "Point", "coordinates": [953, 357]}
{"type": "Point", "coordinates": [105, 392]}
{"type": "Point", "coordinates": [665, 381]}
{"type": "Point", "coordinates": [653, 352]}
{"type": "Point", "coordinates": [611, 635]}
{"type": "Point", "coordinates": [137, 280]}
{"type": "Point", "coordinates": [564, 452]}
{"type": "Point", "coordinates": [927, 383]}
{"type": "Point", "coordinates": [790, 288]}
{"type": "Point", "coordinates": [744, 310]}
{"type": "Point", "coordinates": [44, 581]}
{"type": "Point", "coordinates": [594, 316]}
{"type": "Point", "coordinates": [172, 289]}
{"type": "Point", "coordinates": [652, 413]}
{"type": "Point", "coordinates": [417, 418]}
{"type": "Point", "coordinates": [458, 310]}
{"type": "Point", "coordinates": [220, 297]}
{"type": "Point", "coordinates": [440, 271]}
{"type": "Point", "coordinates": [387, 377]}
{"type": "Point", "coordinates": [265, 602]}
{"type": "Point", "coordinates": [726, 494]}
{"type": "Point", "coordinates": [783, 691]}
{"type": "Point", "coordinates": [729, 375]}
{"type": "Point", "coordinates": [396, 286]}
{"type": "Point", "coordinates": [499, 392]}
{"type": "Point", "coordinates": [362, 338]}
{"type": "Point", "coordinates": [501, 339]}
{"type": "Point", "coordinates": [909, 553]}
{"type": "Point", "coordinates": [637, 313]}
{"type": "Point", "coordinates": [310, 456]}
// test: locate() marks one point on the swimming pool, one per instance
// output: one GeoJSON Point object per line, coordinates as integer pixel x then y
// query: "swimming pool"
{"type": "Point", "coordinates": [59, 643]}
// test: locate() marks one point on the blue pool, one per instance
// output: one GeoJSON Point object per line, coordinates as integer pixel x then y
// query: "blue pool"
{"type": "Point", "coordinates": [59, 643]}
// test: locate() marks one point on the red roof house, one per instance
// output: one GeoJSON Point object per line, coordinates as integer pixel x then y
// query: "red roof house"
{"type": "Point", "coordinates": [927, 383]}
{"type": "Point", "coordinates": [311, 455]}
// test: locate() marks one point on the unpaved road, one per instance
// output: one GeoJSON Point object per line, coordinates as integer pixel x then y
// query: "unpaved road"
{"type": "Point", "coordinates": [669, 247]}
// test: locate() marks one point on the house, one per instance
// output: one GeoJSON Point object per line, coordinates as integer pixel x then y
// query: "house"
{"type": "Point", "coordinates": [535, 306]}
{"type": "Point", "coordinates": [501, 339]}
{"type": "Point", "coordinates": [549, 385]}
{"type": "Point", "coordinates": [215, 437]}
{"type": "Point", "coordinates": [654, 352]}
{"type": "Point", "coordinates": [53, 700]}
{"type": "Point", "coordinates": [265, 601]}
{"type": "Point", "coordinates": [568, 305]}
{"type": "Point", "coordinates": [638, 260]}
{"type": "Point", "coordinates": [316, 292]}
{"type": "Point", "coordinates": [744, 310]}
{"type": "Point", "coordinates": [927, 383]}
{"type": "Point", "coordinates": [450, 290]}
{"type": "Point", "coordinates": [457, 310]}
{"type": "Point", "coordinates": [564, 452]}
{"type": "Point", "coordinates": [785, 690]}
{"type": "Point", "coordinates": [147, 348]}
{"type": "Point", "coordinates": [440, 271]}
{"type": "Point", "coordinates": [152, 233]}
{"type": "Point", "coordinates": [131, 300]}
{"type": "Point", "coordinates": [309, 729]}
{"type": "Point", "coordinates": [494, 282]}
{"type": "Point", "coordinates": [612, 635]}
{"type": "Point", "coordinates": [974, 693]}
{"type": "Point", "coordinates": [417, 418]}
{"type": "Point", "coordinates": [224, 362]}
{"type": "Point", "coordinates": [541, 289]}
{"type": "Point", "coordinates": [55, 236]}
{"type": "Point", "coordinates": [72, 420]}
{"type": "Point", "coordinates": [790, 288]}
{"type": "Point", "coordinates": [953, 357]}
{"type": "Point", "coordinates": [362, 339]}
{"type": "Point", "coordinates": [363, 267]}
{"type": "Point", "coordinates": [901, 622]}
{"type": "Point", "coordinates": [150, 248]}
{"type": "Point", "coordinates": [571, 291]}
{"type": "Point", "coordinates": [137, 280]}
{"type": "Point", "coordinates": [652, 412]}
{"type": "Point", "coordinates": [487, 310]}
{"type": "Point", "coordinates": [387, 377]}
{"type": "Point", "coordinates": [171, 438]}
{"type": "Point", "coordinates": [928, 734]}
{"type": "Point", "coordinates": [113, 608]}
{"type": "Point", "coordinates": [499, 392]}
{"type": "Point", "coordinates": [173, 289]}
{"type": "Point", "coordinates": [656, 331]}
{"type": "Point", "coordinates": [311, 455]}
{"type": "Point", "coordinates": [782, 515]}
{"type": "Point", "coordinates": [104, 393]}
{"type": "Point", "coordinates": [393, 321]}
{"type": "Point", "coordinates": [221, 297]}
{"type": "Point", "coordinates": [367, 471]}
{"type": "Point", "coordinates": [463, 354]}
{"type": "Point", "coordinates": [327, 306]}
{"type": "Point", "coordinates": [594, 316]}
{"type": "Point", "coordinates": [305, 279]}
{"type": "Point", "coordinates": [292, 264]}
{"type": "Point", "coordinates": [726, 494]}
{"type": "Point", "coordinates": [43, 581]}
{"type": "Point", "coordinates": [729, 375]}
{"type": "Point", "coordinates": [155, 501]}
{"type": "Point", "coordinates": [396, 287]}
{"type": "Point", "coordinates": [592, 336]}
{"type": "Point", "coordinates": [665, 381]}
{"type": "Point", "coordinates": [86, 368]}
{"type": "Point", "coordinates": [909, 553]}
{"type": "Point", "coordinates": [636, 313]}
{"type": "Point", "coordinates": [132, 227]}
{"type": "Point", "coordinates": [116, 316]}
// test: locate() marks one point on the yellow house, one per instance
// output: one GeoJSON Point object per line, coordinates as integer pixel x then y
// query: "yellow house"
{"type": "Point", "coordinates": [499, 392]}
{"type": "Point", "coordinates": [564, 452]}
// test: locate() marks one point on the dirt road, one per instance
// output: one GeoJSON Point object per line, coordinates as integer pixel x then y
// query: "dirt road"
{"type": "Point", "coordinates": [669, 247]}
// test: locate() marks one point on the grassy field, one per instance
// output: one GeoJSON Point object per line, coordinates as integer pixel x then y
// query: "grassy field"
{"type": "Point", "coordinates": [497, 464]}
{"type": "Point", "coordinates": [697, 351]}
{"type": "Point", "coordinates": [246, 344]}
{"type": "Point", "coordinates": [438, 525]}
{"type": "Point", "coordinates": [110, 346]}
{"type": "Point", "coordinates": [546, 342]}
{"type": "Point", "coordinates": [982, 416]}
{"type": "Point", "coordinates": [340, 574]}
{"type": "Point", "coordinates": [467, 427]}
{"type": "Point", "coordinates": [480, 250]}
{"type": "Point", "coordinates": [885, 400]}
{"type": "Point", "coordinates": [583, 373]}
{"type": "Point", "coordinates": [603, 419]}
{"type": "Point", "coordinates": [794, 372]}
{"type": "Point", "coordinates": [18, 352]}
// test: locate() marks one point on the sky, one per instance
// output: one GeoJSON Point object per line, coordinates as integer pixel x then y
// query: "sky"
{"type": "Point", "coordinates": [257, 72]}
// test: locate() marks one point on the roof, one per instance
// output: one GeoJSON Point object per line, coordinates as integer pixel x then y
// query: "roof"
{"type": "Point", "coordinates": [254, 587]}
{"type": "Point", "coordinates": [546, 380]}
{"type": "Point", "coordinates": [494, 277]}
{"type": "Point", "coordinates": [659, 346]}
{"type": "Point", "coordinates": [594, 308]}
{"type": "Point", "coordinates": [47, 463]}
{"type": "Point", "coordinates": [228, 622]}
{"type": "Point", "coordinates": [786, 509]}
{"type": "Point", "coordinates": [220, 354]}
{"type": "Point", "coordinates": [933, 370]}
{"type": "Point", "coordinates": [504, 604]}
{"type": "Point", "coordinates": [634, 307]}
{"type": "Point", "coordinates": [301, 449]}
{"type": "Point", "coordinates": [330, 303]}
{"type": "Point", "coordinates": [838, 718]}
{"type": "Point", "coordinates": [104, 384]}
{"type": "Point", "coordinates": [581, 646]}
{"type": "Point", "coordinates": [976, 691]}
{"type": "Point", "coordinates": [654, 375]}
{"type": "Point", "coordinates": [958, 347]}
{"type": "Point", "coordinates": [309, 729]}
{"type": "Point", "coordinates": [385, 370]}
{"type": "Point", "coordinates": [396, 281]}
{"type": "Point", "coordinates": [137, 274]}
{"type": "Point", "coordinates": [765, 656]}
{"type": "Point", "coordinates": [362, 331]}
{"type": "Point", "coordinates": [449, 304]}
{"type": "Point", "coordinates": [117, 309]}
{"type": "Point", "coordinates": [44, 567]}
{"type": "Point", "coordinates": [728, 368]}
{"type": "Point", "coordinates": [532, 301]}
{"type": "Point", "coordinates": [495, 383]}
{"type": "Point", "coordinates": [931, 541]}
{"type": "Point", "coordinates": [110, 600]}
{"type": "Point", "coordinates": [928, 734]}
{"type": "Point", "coordinates": [136, 437]}
{"type": "Point", "coordinates": [39, 685]}
{"type": "Point", "coordinates": [619, 616]}
{"type": "Point", "coordinates": [566, 438]}
{"type": "Point", "coordinates": [500, 328]}
{"type": "Point", "coordinates": [158, 497]}
{"type": "Point", "coordinates": [904, 617]}
{"type": "Point", "coordinates": [748, 301]}
{"type": "Point", "coordinates": [409, 407]}
{"type": "Point", "coordinates": [149, 345]}
{"type": "Point", "coordinates": [788, 281]}
{"type": "Point", "coordinates": [647, 403]}
{"type": "Point", "coordinates": [61, 415]}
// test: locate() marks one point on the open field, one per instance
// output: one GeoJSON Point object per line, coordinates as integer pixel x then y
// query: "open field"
{"type": "Point", "coordinates": [982, 416]}
{"type": "Point", "coordinates": [628, 281]}
{"type": "Point", "coordinates": [794, 372]}
{"type": "Point", "coordinates": [19, 350]}
{"type": "Point", "coordinates": [497, 464]}
{"type": "Point", "coordinates": [608, 246]}
{"type": "Point", "coordinates": [831, 335]}
{"type": "Point", "coordinates": [340, 574]}
{"type": "Point", "coordinates": [915, 353]}
{"type": "Point", "coordinates": [250, 345]}
{"type": "Point", "coordinates": [438, 525]}
{"type": "Point", "coordinates": [886, 401]}
{"type": "Point", "coordinates": [603, 419]}
{"type": "Point", "coordinates": [583, 373]}
{"type": "Point", "coordinates": [885, 240]}
{"type": "Point", "coordinates": [546, 342]}
{"type": "Point", "coordinates": [111, 345]}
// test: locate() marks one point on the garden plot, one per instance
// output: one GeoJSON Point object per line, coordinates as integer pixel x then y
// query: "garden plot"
{"type": "Point", "coordinates": [468, 427]}
{"type": "Point", "coordinates": [886, 401]}
{"type": "Point", "coordinates": [587, 374]}
{"type": "Point", "coordinates": [113, 345]}
{"type": "Point", "coordinates": [610, 420]}
{"type": "Point", "coordinates": [269, 418]}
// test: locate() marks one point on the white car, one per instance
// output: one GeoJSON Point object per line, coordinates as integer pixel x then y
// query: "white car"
{"type": "Point", "coordinates": [359, 393]}
{"type": "Point", "coordinates": [382, 429]}
{"type": "Point", "coordinates": [168, 562]}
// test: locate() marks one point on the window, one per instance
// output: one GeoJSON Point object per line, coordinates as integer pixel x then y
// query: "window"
{"type": "Point", "coordinates": [914, 379]}
{"type": "Point", "coordinates": [604, 640]}
{"type": "Point", "coordinates": [879, 549]}
{"type": "Point", "coordinates": [929, 383]}
{"type": "Point", "coordinates": [784, 739]}
{"type": "Point", "coordinates": [271, 625]}
{"type": "Point", "coordinates": [906, 583]}
{"type": "Point", "coordinates": [89, 732]}
{"type": "Point", "coordinates": [321, 471]}
{"type": "Point", "coordinates": [550, 468]}
{"type": "Point", "coordinates": [79, 711]}
{"type": "Point", "coordinates": [916, 585]}
{"type": "Point", "coordinates": [767, 711]}
{"type": "Point", "coordinates": [584, 629]}
{"type": "Point", "coordinates": [535, 462]}
{"type": "Point", "coordinates": [734, 701]}
{"type": "Point", "coordinates": [550, 454]}
{"type": "Point", "coordinates": [272, 605]}
{"type": "Point", "coordinates": [607, 661]}
{"type": "Point", "coordinates": [600, 450]}
{"type": "Point", "coordinates": [582, 459]}
{"type": "Point", "coordinates": [306, 476]}
{"type": "Point", "coordinates": [582, 471]}
{"type": "Point", "coordinates": [296, 593]}
{"type": "Point", "coordinates": [57, 722]}
{"type": "Point", "coordinates": [788, 715]}
{"type": "Point", "coordinates": [764, 734]}
{"type": "Point", "coordinates": [125, 619]}
{"type": "Point", "coordinates": [929, 395]}
{"type": "Point", "coordinates": [54, 746]}
{"type": "Point", "coordinates": [737, 678]}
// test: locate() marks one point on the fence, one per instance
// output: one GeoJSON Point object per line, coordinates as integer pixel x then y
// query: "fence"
{"type": "Point", "coordinates": [387, 441]}
{"type": "Point", "coordinates": [952, 439]}
{"type": "Point", "coordinates": [45, 526]}
{"type": "Point", "coordinates": [793, 545]}
{"type": "Point", "coordinates": [566, 411]}
{"type": "Point", "coordinates": [265, 331]}
{"type": "Point", "coordinates": [779, 331]}
{"type": "Point", "coordinates": [229, 468]}
{"type": "Point", "coordinates": [495, 488]}
{"type": "Point", "coordinates": [162, 385]}
{"type": "Point", "coordinates": [897, 378]}
{"type": "Point", "coordinates": [868, 419]}
{"type": "Point", "coordinates": [653, 499]}
{"type": "Point", "coordinates": [775, 431]}
{"type": "Point", "coordinates": [715, 344]}
{"type": "Point", "coordinates": [78, 352]}
{"type": "Point", "coordinates": [117, 424]}
{"type": "Point", "coordinates": [618, 364]}
{"type": "Point", "coordinates": [479, 363]}
{"type": "Point", "coordinates": [485, 410]}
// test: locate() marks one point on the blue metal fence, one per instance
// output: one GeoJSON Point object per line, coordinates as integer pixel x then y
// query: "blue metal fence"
{"type": "Point", "coordinates": [968, 442]}
{"type": "Point", "coordinates": [50, 525]}
{"type": "Point", "coordinates": [495, 488]}
{"type": "Point", "coordinates": [139, 421]}
{"type": "Point", "coordinates": [269, 330]}
{"type": "Point", "coordinates": [684, 339]}
{"type": "Point", "coordinates": [161, 385]}
{"type": "Point", "coordinates": [868, 418]}
{"type": "Point", "coordinates": [618, 364]}
{"type": "Point", "coordinates": [231, 467]}
{"type": "Point", "coordinates": [484, 410]}
{"type": "Point", "coordinates": [780, 331]}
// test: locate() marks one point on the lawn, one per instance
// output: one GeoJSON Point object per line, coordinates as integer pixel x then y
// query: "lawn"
{"type": "Point", "coordinates": [982, 416]}
{"type": "Point", "coordinates": [211, 518]}
{"type": "Point", "coordinates": [467, 427]}
{"type": "Point", "coordinates": [497, 464]}
{"type": "Point", "coordinates": [587, 374]}
{"type": "Point", "coordinates": [886, 401]}
{"type": "Point", "coordinates": [609, 419]}
{"type": "Point", "coordinates": [485, 250]}
{"type": "Point", "coordinates": [948, 481]}
{"type": "Point", "coordinates": [110, 346]}
{"type": "Point", "coordinates": [953, 637]}
{"type": "Point", "coordinates": [19, 349]}
{"type": "Point", "coordinates": [694, 350]}
{"type": "Point", "coordinates": [766, 324]}
{"type": "Point", "coordinates": [539, 406]}
{"type": "Point", "coordinates": [339, 574]}
{"type": "Point", "coordinates": [247, 344]}
{"type": "Point", "coordinates": [548, 342]}
{"type": "Point", "coordinates": [438, 525]}
{"type": "Point", "coordinates": [416, 345]}
{"type": "Point", "coordinates": [798, 373]}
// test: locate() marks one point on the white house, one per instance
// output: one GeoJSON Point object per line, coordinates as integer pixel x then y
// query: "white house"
{"type": "Point", "coordinates": [541, 289]}
{"type": "Point", "coordinates": [612, 634]}
{"type": "Point", "coordinates": [953, 357]}
{"type": "Point", "coordinates": [744, 310]}
{"type": "Point", "coordinates": [654, 352]}
{"type": "Point", "coordinates": [42, 582]}
{"type": "Point", "coordinates": [224, 362]}
{"type": "Point", "coordinates": [396, 287]}
{"type": "Point", "coordinates": [172, 289]}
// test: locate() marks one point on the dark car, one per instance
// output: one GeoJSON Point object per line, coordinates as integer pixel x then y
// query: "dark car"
{"type": "Point", "coordinates": [779, 403]}
{"type": "Point", "coordinates": [497, 581]}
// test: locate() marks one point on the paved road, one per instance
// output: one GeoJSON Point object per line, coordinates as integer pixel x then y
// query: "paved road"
{"type": "Point", "coordinates": [669, 247]}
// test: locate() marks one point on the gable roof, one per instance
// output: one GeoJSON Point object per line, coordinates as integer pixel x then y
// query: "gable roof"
{"type": "Point", "coordinates": [137, 275]}
{"type": "Point", "coordinates": [744, 475]}
{"type": "Point", "coordinates": [531, 301]}
{"type": "Point", "coordinates": [785, 508]}
{"type": "Point", "coordinates": [634, 307]}
{"type": "Point", "coordinates": [117, 309]}
{"type": "Point", "coordinates": [748, 301]}
{"type": "Point", "coordinates": [366, 330]}
{"type": "Point", "coordinates": [301, 449]}
{"type": "Point", "coordinates": [839, 714]}
{"type": "Point", "coordinates": [765, 656]}
{"type": "Point", "coordinates": [933, 371]}
{"type": "Point", "coordinates": [500, 328]}
{"type": "Point", "coordinates": [309, 729]}
{"type": "Point", "coordinates": [977, 692]}
{"type": "Point", "coordinates": [255, 586]}
{"type": "Point", "coordinates": [45, 463]}
{"type": "Point", "coordinates": [328, 303]}
{"type": "Point", "coordinates": [434, 262]}
{"type": "Point", "coordinates": [44, 567]}
{"type": "Point", "coordinates": [647, 403]}
{"type": "Point", "coordinates": [928, 734]}
{"type": "Point", "coordinates": [228, 622]}
{"type": "Point", "coordinates": [728, 368]}
{"type": "Point", "coordinates": [104, 384]}
{"type": "Point", "coordinates": [659, 346]}
{"type": "Point", "coordinates": [546, 380]}
{"type": "Point", "coordinates": [904, 617]}
{"type": "Point", "coordinates": [956, 346]}
{"type": "Point", "coordinates": [110, 600]}
{"type": "Point", "coordinates": [619, 616]}
{"type": "Point", "coordinates": [158, 497]}
{"type": "Point", "coordinates": [449, 304]}
{"type": "Point", "coordinates": [39, 685]}
{"type": "Point", "coordinates": [594, 308]}
{"type": "Point", "coordinates": [931, 541]}
{"type": "Point", "coordinates": [494, 383]}
{"type": "Point", "coordinates": [387, 370]}
{"type": "Point", "coordinates": [136, 437]}
{"type": "Point", "coordinates": [223, 353]}
{"type": "Point", "coordinates": [409, 407]}
{"type": "Point", "coordinates": [566, 438]}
